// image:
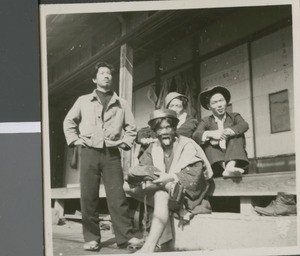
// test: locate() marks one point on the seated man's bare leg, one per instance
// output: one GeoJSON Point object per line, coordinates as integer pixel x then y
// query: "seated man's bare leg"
{"type": "Point", "coordinates": [159, 221]}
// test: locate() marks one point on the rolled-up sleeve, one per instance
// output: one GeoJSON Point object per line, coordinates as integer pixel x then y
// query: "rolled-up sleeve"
{"type": "Point", "coordinates": [70, 124]}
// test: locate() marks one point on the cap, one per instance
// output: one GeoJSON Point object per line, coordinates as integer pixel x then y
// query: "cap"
{"type": "Point", "coordinates": [171, 96]}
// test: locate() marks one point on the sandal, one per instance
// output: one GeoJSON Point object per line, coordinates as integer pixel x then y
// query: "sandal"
{"type": "Point", "coordinates": [91, 246]}
{"type": "Point", "coordinates": [135, 243]}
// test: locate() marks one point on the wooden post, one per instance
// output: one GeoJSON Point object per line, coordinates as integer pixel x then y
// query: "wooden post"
{"type": "Point", "coordinates": [255, 167]}
{"type": "Point", "coordinates": [126, 70]}
{"type": "Point", "coordinates": [59, 205]}
{"type": "Point", "coordinates": [246, 207]}
{"type": "Point", "coordinates": [125, 90]}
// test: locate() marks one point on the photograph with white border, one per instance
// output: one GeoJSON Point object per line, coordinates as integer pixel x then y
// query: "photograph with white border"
{"type": "Point", "coordinates": [127, 85]}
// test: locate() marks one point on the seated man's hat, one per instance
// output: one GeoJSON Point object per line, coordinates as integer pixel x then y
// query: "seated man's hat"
{"type": "Point", "coordinates": [162, 113]}
{"type": "Point", "coordinates": [209, 92]}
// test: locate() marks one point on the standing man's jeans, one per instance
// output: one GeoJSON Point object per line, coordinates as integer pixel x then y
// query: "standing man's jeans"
{"type": "Point", "coordinates": [93, 163]}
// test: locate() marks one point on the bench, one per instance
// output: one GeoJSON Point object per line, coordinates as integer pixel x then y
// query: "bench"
{"type": "Point", "coordinates": [251, 186]}
{"type": "Point", "coordinates": [246, 188]}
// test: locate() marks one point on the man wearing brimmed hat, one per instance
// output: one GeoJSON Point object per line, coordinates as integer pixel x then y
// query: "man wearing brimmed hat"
{"type": "Point", "coordinates": [178, 161]}
{"type": "Point", "coordinates": [222, 134]}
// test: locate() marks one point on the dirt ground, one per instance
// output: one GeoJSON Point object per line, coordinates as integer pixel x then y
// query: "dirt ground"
{"type": "Point", "coordinates": [68, 241]}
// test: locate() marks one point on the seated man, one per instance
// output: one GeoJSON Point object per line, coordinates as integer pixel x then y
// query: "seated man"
{"type": "Point", "coordinates": [221, 134]}
{"type": "Point", "coordinates": [178, 161]}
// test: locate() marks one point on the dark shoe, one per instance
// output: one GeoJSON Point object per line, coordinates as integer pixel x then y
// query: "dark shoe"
{"type": "Point", "coordinates": [140, 173]}
{"type": "Point", "coordinates": [91, 246]}
{"type": "Point", "coordinates": [283, 205]}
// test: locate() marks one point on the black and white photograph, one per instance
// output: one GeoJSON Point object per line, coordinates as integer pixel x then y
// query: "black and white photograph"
{"type": "Point", "coordinates": [170, 126]}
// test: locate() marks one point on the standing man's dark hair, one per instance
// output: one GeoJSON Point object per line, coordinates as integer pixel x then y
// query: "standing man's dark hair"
{"type": "Point", "coordinates": [98, 125]}
{"type": "Point", "coordinates": [102, 64]}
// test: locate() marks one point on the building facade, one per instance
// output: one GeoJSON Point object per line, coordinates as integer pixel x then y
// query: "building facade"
{"type": "Point", "coordinates": [249, 50]}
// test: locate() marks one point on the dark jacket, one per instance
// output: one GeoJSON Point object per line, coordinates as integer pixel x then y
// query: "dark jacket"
{"type": "Point", "coordinates": [188, 127]}
{"type": "Point", "coordinates": [233, 121]}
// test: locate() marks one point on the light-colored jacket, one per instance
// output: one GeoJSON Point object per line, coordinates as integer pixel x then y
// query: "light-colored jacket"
{"type": "Point", "coordinates": [186, 152]}
{"type": "Point", "coordinates": [84, 120]}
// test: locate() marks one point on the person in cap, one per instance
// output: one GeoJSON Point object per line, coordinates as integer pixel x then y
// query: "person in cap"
{"type": "Point", "coordinates": [98, 126]}
{"type": "Point", "coordinates": [186, 124]}
{"type": "Point", "coordinates": [222, 134]}
{"type": "Point", "coordinates": [179, 103]}
{"type": "Point", "coordinates": [179, 163]}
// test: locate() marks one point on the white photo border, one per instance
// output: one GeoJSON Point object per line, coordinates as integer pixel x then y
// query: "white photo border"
{"type": "Point", "coordinates": [48, 9]}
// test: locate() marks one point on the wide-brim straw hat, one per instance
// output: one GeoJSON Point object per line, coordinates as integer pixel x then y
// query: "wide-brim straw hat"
{"type": "Point", "coordinates": [162, 113]}
{"type": "Point", "coordinates": [171, 96]}
{"type": "Point", "coordinates": [209, 92]}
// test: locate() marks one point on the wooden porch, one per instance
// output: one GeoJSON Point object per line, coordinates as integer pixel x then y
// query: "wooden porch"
{"type": "Point", "coordinates": [240, 229]}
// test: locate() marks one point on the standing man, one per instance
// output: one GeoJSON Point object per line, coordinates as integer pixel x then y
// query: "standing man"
{"type": "Point", "coordinates": [222, 134]}
{"type": "Point", "coordinates": [100, 124]}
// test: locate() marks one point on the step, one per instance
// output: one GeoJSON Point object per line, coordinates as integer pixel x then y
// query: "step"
{"type": "Point", "coordinates": [235, 231]}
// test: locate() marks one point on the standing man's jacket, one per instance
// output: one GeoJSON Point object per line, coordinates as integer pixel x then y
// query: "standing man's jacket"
{"type": "Point", "coordinates": [85, 120]}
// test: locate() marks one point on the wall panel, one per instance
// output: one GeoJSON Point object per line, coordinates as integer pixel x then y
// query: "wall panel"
{"type": "Point", "coordinates": [142, 106]}
{"type": "Point", "coordinates": [144, 71]}
{"type": "Point", "coordinates": [272, 65]}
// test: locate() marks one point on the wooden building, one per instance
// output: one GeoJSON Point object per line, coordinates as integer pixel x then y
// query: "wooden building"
{"type": "Point", "coordinates": [247, 49]}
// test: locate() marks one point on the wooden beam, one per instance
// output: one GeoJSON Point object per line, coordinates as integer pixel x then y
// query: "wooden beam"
{"type": "Point", "coordinates": [59, 205]}
{"type": "Point", "coordinates": [246, 207]}
{"type": "Point", "coordinates": [126, 73]}
{"type": "Point", "coordinates": [249, 54]}
{"type": "Point", "coordinates": [73, 192]}
{"type": "Point", "coordinates": [266, 184]}
{"type": "Point", "coordinates": [125, 91]}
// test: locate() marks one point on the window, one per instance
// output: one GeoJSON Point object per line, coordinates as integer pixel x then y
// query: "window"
{"type": "Point", "coordinates": [279, 111]}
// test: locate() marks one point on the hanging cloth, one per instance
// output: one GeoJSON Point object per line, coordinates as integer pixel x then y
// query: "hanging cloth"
{"type": "Point", "coordinates": [163, 93]}
{"type": "Point", "coordinates": [151, 95]}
